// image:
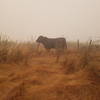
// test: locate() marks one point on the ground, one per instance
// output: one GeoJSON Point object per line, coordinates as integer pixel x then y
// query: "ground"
{"type": "Point", "coordinates": [44, 79]}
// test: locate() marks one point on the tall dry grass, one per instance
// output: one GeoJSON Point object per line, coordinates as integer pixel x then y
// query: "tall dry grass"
{"type": "Point", "coordinates": [14, 52]}
{"type": "Point", "coordinates": [77, 77]}
{"type": "Point", "coordinates": [87, 56]}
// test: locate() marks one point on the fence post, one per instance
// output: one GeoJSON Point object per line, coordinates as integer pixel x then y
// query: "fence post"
{"type": "Point", "coordinates": [89, 46]}
{"type": "Point", "coordinates": [78, 44]}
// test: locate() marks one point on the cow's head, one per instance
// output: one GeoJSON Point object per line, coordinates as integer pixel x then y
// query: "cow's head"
{"type": "Point", "coordinates": [40, 39]}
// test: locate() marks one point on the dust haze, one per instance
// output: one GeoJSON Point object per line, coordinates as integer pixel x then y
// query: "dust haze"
{"type": "Point", "coordinates": [72, 19]}
{"type": "Point", "coordinates": [61, 64]}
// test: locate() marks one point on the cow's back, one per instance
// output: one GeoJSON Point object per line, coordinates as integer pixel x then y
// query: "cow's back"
{"type": "Point", "coordinates": [57, 43]}
{"type": "Point", "coordinates": [49, 43]}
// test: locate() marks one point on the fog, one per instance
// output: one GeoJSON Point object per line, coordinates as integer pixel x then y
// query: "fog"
{"type": "Point", "coordinates": [72, 19]}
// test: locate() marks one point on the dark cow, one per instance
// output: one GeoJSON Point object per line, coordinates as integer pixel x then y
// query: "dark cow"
{"type": "Point", "coordinates": [52, 43]}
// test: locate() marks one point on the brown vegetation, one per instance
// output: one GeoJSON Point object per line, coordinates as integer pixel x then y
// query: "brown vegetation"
{"type": "Point", "coordinates": [28, 74]}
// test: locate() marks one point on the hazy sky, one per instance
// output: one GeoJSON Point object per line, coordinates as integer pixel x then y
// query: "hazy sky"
{"type": "Point", "coordinates": [73, 19]}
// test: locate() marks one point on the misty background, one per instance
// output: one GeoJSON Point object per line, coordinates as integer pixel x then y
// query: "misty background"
{"type": "Point", "coordinates": [72, 19]}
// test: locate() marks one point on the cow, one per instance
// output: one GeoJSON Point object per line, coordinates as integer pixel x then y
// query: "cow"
{"type": "Point", "coordinates": [53, 43]}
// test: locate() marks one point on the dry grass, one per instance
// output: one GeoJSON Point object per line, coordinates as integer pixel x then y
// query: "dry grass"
{"type": "Point", "coordinates": [14, 52]}
{"type": "Point", "coordinates": [27, 75]}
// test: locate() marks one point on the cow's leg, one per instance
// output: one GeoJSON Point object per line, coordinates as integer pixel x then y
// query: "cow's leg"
{"type": "Point", "coordinates": [57, 58]}
{"type": "Point", "coordinates": [53, 52]}
{"type": "Point", "coordinates": [38, 45]}
{"type": "Point", "coordinates": [47, 51]}
{"type": "Point", "coordinates": [58, 55]}
{"type": "Point", "coordinates": [39, 52]}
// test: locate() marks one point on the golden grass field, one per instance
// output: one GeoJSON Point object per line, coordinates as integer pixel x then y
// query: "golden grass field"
{"type": "Point", "coordinates": [29, 74]}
